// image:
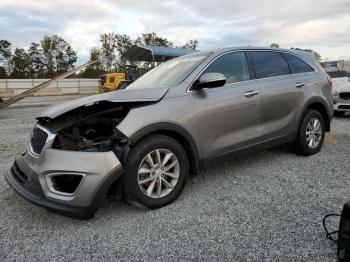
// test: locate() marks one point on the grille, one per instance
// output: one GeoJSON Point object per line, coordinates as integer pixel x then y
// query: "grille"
{"type": "Point", "coordinates": [344, 107]}
{"type": "Point", "coordinates": [344, 95]}
{"type": "Point", "coordinates": [38, 140]}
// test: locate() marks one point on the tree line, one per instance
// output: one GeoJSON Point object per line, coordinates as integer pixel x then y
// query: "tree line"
{"type": "Point", "coordinates": [316, 54]}
{"type": "Point", "coordinates": [53, 55]}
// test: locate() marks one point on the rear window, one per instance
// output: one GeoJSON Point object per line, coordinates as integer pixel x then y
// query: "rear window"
{"type": "Point", "coordinates": [297, 65]}
{"type": "Point", "coordinates": [269, 64]}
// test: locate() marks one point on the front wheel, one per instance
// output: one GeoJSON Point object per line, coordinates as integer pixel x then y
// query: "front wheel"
{"type": "Point", "coordinates": [311, 133]}
{"type": "Point", "coordinates": [156, 172]}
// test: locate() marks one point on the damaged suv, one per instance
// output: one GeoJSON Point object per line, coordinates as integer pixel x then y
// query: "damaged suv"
{"type": "Point", "coordinates": [187, 113]}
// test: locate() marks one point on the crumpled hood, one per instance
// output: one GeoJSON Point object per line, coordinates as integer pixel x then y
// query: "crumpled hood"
{"type": "Point", "coordinates": [121, 96]}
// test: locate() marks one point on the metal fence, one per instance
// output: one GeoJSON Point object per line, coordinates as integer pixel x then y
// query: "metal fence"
{"type": "Point", "coordinates": [11, 87]}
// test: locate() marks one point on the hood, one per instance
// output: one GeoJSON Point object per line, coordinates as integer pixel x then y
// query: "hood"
{"type": "Point", "coordinates": [121, 96]}
{"type": "Point", "coordinates": [341, 87]}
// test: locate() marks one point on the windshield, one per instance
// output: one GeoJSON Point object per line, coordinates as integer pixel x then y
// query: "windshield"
{"type": "Point", "coordinates": [170, 73]}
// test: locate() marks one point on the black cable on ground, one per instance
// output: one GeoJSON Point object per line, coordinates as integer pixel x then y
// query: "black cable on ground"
{"type": "Point", "coordinates": [329, 235]}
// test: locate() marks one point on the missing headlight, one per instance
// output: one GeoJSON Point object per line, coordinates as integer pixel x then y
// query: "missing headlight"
{"type": "Point", "coordinates": [93, 134]}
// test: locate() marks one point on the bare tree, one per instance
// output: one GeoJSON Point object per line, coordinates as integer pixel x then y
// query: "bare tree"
{"type": "Point", "coordinates": [275, 45]}
{"type": "Point", "coordinates": [192, 44]}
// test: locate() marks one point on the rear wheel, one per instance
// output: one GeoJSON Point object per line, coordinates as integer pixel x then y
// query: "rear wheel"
{"type": "Point", "coordinates": [339, 113]}
{"type": "Point", "coordinates": [156, 172]}
{"type": "Point", "coordinates": [311, 133]}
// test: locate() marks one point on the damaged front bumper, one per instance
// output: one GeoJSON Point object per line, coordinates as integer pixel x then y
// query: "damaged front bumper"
{"type": "Point", "coordinates": [89, 175]}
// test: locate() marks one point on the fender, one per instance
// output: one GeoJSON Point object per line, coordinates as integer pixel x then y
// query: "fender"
{"type": "Point", "coordinates": [325, 106]}
{"type": "Point", "coordinates": [173, 128]}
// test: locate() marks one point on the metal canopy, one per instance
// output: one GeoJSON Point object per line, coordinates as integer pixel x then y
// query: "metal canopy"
{"type": "Point", "coordinates": [154, 53]}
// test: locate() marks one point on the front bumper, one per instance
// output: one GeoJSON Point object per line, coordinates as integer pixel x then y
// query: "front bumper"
{"type": "Point", "coordinates": [341, 106]}
{"type": "Point", "coordinates": [100, 169]}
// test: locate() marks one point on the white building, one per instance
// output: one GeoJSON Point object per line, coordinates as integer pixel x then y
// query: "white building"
{"type": "Point", "coordinates": [339, 65]}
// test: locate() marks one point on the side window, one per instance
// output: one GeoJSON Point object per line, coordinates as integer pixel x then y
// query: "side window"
{"type": "Point", "coordinates": [297, 65]}
{"type": "Point", "coordinates": [233, 65]}
{"type": "Point", "coordinates": [269, 64]}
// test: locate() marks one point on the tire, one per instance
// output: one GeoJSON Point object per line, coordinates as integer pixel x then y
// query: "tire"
{"type": "Point", "coordinates": [138, 162]}
{"type": "Point", "coordinates": [339, 113]}
{"type": "Point", "coordinates": [302, 144]}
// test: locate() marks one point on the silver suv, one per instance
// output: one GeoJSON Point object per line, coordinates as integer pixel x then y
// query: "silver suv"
{"type": "Point", "coordinates": [341, 92]}
{"type": "Point", "coordinates": [142, 142]}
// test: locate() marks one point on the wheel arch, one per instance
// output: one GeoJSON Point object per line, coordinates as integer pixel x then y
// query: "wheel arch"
{"type": "Point", "coordinates": [177, 132]}
{"type": "Point", "coordinates": [320, 106]}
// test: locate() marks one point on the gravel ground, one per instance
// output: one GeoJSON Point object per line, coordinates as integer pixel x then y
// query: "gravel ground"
{"type": "Point", "coordinates": [266, 206]}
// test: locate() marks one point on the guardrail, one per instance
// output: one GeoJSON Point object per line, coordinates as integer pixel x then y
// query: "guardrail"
{"type": "Point", "coordinates": [69, 86]}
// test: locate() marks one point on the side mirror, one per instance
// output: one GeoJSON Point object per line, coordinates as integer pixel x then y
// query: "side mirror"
{"type": "Point", "coordinates": [210, 80]}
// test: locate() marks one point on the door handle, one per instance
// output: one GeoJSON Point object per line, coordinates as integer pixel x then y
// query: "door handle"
{"type": "Point", "coordinates": [251, 93]}
{"type": "Point", "coordinates": [298, 85]}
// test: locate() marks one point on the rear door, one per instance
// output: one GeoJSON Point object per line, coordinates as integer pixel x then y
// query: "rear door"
{"type": "Point", "coordinates": [229, 116]}
{"type": "Point", "coordinates": [282, 93]}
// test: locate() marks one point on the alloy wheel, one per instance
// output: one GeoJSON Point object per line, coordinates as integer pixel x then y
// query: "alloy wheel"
{"type": "Point", "coordinates": [313, 133]}
{"type": "Point", "coordinates": [158, 173]}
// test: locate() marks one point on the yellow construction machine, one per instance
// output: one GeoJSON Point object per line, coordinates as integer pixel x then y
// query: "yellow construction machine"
{"type": "Point", "coordinates": [112, 82]}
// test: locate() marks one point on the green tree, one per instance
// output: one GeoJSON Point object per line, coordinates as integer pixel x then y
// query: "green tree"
{"type": "Point", "coordinates": [192, 44]}
{"type": "Point", "coordinates": [108, 49]}
{"type": "Point", "coordinates": [122, 44]}
{"type": "Point", "coordinates": [58, 55]}
{"type": "Point", "coordinates": [2, 73]}
{"type": "Point", "coordinates": [95, 70]}
{"type": "Point", "coordinates": [274, 45]}
{"type": "Point", "coordinates": [5, 57]}
{"type": "Point", "coordinates": [316, 54]}
{"type": "Point", "coordinates": [37, 59]}
{"type": "Point", "coordinates": [153, 39]}
{"type": "Point", "coordinates": [20, 64]}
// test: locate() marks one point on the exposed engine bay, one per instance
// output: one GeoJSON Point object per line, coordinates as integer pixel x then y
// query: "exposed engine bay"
{"type": "Point", "coordinates": [91, 128]}
{"type": "Point", "coordinates": [94, 134]}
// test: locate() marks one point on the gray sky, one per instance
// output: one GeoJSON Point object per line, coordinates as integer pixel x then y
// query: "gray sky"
{"type": "Point", "coordinates": [321, 25]}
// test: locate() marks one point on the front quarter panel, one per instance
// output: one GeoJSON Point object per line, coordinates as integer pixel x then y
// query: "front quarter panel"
{"type": "Point", "coordinates": [176, 110]}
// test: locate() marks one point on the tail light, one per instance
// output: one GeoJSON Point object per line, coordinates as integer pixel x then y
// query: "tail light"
{"type": "Point", "coordinates": [330, 81]}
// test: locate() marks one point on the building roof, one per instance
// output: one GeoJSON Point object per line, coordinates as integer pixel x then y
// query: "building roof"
{"type": "Point", "coordinates": [154, 53]}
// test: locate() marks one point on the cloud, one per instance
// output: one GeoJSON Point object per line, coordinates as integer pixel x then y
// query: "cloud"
{"type": "Point", "coordinates": [299, 23]}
